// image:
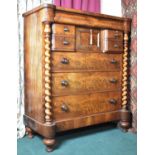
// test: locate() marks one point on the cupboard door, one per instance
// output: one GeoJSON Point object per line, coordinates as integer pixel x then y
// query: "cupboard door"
{"type": "Point", "coordinates": [88, 40]}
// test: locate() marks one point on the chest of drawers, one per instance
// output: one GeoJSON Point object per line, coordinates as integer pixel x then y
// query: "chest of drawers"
{"type": "Point", "coordinates": [76, 70]}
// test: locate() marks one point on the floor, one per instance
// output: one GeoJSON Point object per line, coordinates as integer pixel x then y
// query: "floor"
{"type": "Point", "coordinates": [99, 140]}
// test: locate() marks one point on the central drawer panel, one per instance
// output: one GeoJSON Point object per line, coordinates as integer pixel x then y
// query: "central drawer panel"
{"type": "Point", "coordinates": [70, 62]}
{"type": "Point", "coordinates": [67, 107]}
{"type": "Point", "coordinates": [72, 83]}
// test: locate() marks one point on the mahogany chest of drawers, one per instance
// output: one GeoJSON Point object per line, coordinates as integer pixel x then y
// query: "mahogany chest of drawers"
{"type": "Point", "coordinates": [76, 70]}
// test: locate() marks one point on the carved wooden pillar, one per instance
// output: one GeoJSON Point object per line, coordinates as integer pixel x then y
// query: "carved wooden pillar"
{"type": "Point", "coordinates": [47, 77]}
{"type": "Point", "coordinates": [48, 101]}
{"type": "Point", "coordinates": [125, 114]}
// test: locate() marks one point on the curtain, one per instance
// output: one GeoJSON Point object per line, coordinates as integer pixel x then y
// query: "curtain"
{"type": "Point", "coordinates": [85, 5]}
{"type": "Point", "coordinates": [129, 9]}
{"type": "Point", "coordinates": [23, 6]}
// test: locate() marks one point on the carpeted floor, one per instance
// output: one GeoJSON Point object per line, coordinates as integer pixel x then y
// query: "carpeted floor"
{"type": "Point", "coordinates": [98, 140]}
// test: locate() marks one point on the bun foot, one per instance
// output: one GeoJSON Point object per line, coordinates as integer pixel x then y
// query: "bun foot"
{"type": "Point", "coordinates": [50, 143]}
{"type": "Point", "coordinates": [29, 132]}
{"type": "Point", "coordinates": [125, 120]}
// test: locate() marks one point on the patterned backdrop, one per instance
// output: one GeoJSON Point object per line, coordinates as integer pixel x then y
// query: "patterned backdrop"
{"type": "Point", "coordinates": [23, 6]}
{"type": "Point", "coordinates": [129, 9]}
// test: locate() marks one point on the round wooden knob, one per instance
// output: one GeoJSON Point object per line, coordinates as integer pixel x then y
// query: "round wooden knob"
{"type": "Point", "coordinates": [113, 61]}
{"type": "Point", "coordinates": [66, 29]}
{"type": "Point", "coordinates": [113, 81]}
{"type": "Point", "coordinates": [64, 83]}
{"type": "Point", "coordinates": [112, 101]}
{"type": "Point", "coordinates": [64, 107]}
{"type": "Point", "coordinates": [65, 61]}
{"type": "Point", "coordinates": [66, 42]}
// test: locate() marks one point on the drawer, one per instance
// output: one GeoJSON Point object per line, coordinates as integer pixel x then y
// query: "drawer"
{"type": "Point", "coordinates": [74, 83]}
{"type": "Point", "coordinates": [70, 62]}
{"type": "Point", "coordinates": [63, 29]}
{"type": "Point", "coordinates": [114, 34]}
{"type": "Point", "coordinates": [88, 40]}
{"type": "Point", "coordinates": [112, 45]}
{"type": "Point", "coordinates": [63, 43]}
{"type": "Point", "coordinates": [68, 107]}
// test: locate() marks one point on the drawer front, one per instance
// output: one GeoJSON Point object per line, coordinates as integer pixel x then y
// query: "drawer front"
{"type": "Point", "coordinates": [63, 43]}
{"type": "Point", "coordinates": [112, 45]}
{"type": "Point", "coordinates": [71, 62]}
{"type": "Point", "coordinates": [112, 34]}
{"type": "Point", "coordinates": [66, 107]}
{"type": "Point", "coordinates": [66, 83]}
{"type": "Point", "coordinates": [63, 29]}
{"type": "Point", "coordinates": [88, 40]}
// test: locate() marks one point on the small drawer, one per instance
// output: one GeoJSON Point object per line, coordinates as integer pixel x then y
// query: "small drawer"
{"type": "Point", "coordinates": [81, 62]}
{"type": "Point", "coordinates": [63, 43]}
{"type": "Point", "coordinates": [74, 83]}
{"type": "Point", "coordinates": [69, 107]}
{"type": "Point", "coordinates": [112, 45]}
{"type": "Point", "coordinates": [112, 34]}
{"type": "Point", "coordinates": [62, 29]}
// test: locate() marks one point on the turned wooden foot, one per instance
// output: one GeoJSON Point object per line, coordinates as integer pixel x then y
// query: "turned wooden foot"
{"type": "Point", "coordinates": [29, 132]}
{"type": "Point", "coordinates": [50, 143]}
{"type": "Point", "coordinates": [125, 120]}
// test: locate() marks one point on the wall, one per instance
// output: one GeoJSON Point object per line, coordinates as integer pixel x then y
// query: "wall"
{"type": "Point", "coordinates": [111, 7]}
{"type": "Point", "coordinates": [129, 9]}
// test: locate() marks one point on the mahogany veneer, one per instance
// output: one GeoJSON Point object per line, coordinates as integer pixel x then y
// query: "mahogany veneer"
{"type": "Point", "coordinates": [76, 70]}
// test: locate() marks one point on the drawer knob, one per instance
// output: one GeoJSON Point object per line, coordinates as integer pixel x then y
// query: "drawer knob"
{"type": "Point", "coordinates": [64, 83]}
{"type": "Point", "coordinates": [113, 61]}
{"type": "Point", "coordinates": [116, 45]}
{"type": "Point", "coordinates": [65, 61]}
{"type": "Point", "coordinates": [113, 81]}
{"type": "Point", "coordinates": [112, 101]}
{"type": "Point", "coordinates": [66, 42]}
{"type": "Point", "coordinates": [116, 34]}
{"type": "Point", "coordinates": [66, 29]}
{"type": "Point", "coordinates": [64, 107]}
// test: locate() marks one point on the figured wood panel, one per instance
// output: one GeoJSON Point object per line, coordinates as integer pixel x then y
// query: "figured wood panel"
{"type": "Point", "coordinates": [68, 83]}
{"type": "Point", "coordinates": [63, 43]}
{"type": "Point", "coordinates": [112, 46]}
{"type": "Point", "coordinates": [33, 66]}
{"type": "Point", "coordinates": [70, 62]}
{"type": "Point", "coordinates": [87, 20]}
{"type": "Point", "coordinates": [83, 105]}
{"type": "Point", "coordinates": [88, 39]}
{"type": "Point", "coordinates": [63, 125]}
{"type": "Point", "coordinates": [114, 34]}
{"type": "Point", "coordinates": [63, 29]}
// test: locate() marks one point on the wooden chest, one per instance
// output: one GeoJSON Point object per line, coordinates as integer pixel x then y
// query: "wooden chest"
{"type": "Point", "coordinates": [75, 70]}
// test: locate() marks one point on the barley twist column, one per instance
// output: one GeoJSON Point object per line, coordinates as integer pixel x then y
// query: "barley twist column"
{"type": "Point", "coordinates": [125, 114]}
{"type": "Point", "coordinates": [48, 101]}
{"type": "Point", "coordinates": [125, 72]}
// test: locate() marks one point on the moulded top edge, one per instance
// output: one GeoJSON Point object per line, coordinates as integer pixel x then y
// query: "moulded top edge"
{"type": "Point", "coordinates": [56, 8]}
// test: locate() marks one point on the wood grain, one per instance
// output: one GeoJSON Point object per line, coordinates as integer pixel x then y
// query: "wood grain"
{"type": "Point", "coordinates": [82, 62]}
{"type": "Point", "coordinates": [63, 29]}
{"type": "Point", "coordinates": [88, 39]}
{"type": "Point", "coordinates": [85, 82]}
{"type": "Point", "coordinates": [58, 43]}
{"type": "Point", "coordinates": [84, 105]}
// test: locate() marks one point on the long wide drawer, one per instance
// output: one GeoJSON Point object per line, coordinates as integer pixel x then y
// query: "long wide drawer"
{"type": "Point", "coordinates": [70, 62]}
{"type": "Point", "coordinates": [73, 83]}
{"type": "Point", "coordinates": [67, 107]}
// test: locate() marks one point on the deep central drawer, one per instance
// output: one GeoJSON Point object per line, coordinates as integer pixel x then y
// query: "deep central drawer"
{"type": "Point", "coordinates": [72, 83]}
{"type": "Point", "coordinates": [70, 62]}
{"type": "Point", "coordinates": [67, 107]}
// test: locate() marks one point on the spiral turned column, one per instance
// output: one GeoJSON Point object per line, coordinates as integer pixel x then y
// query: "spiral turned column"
{"type": "Point", "coordinates": [49, 142]}
{"type": "Point", "coordinates": [48, 101]}
{"type": "Point", "coordinates": [125, 114]}
{"type": "Point", "coordinates": [125, 74]}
